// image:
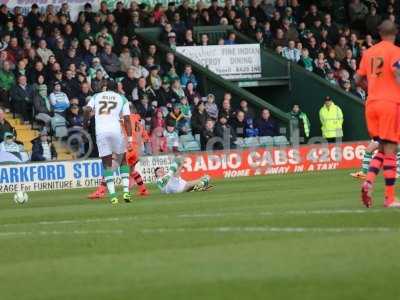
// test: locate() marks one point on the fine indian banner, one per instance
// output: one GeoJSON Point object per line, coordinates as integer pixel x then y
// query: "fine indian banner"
{"type": "Point", "coordinates": [229, 61]}
{"type": "Point", "coordinates": [219, 164]}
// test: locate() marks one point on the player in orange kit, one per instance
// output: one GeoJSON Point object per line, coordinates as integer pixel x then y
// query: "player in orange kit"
{"type": "Point", "coordinates": [380, 67]}
{"type": "Point", "coordinates": [139, 136]}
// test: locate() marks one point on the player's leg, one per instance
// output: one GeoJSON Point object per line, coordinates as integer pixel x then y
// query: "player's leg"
{"type": "Point", "coordinates": [119, 148]}
{"type": "Point", "coordinates": [369, 152]}
{"type": "Point", "coordinates": [135, 177]}
{"type": "Point", "coordinates": [372, 114]}
{"type": "Point", "coordinates": [101, 190]}
{"type": "Point", "coordinates": [389, 173]}
{"type": "Point", "coordinates": [109, 178]}
{"type": "Point", "coordinates": [198, 185]}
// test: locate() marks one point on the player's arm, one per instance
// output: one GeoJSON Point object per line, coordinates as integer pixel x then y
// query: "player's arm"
{"type": "Point", "coordinates": [126, 112]}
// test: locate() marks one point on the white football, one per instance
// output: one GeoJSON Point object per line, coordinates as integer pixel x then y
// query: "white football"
{"type": "Point", "coordinates": [21, 197]}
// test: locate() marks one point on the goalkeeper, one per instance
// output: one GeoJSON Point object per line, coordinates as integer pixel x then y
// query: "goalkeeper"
{"type": "Point", "coordinates": [172, 183]}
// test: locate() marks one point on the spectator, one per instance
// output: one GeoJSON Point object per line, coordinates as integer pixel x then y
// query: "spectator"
{"type": "Point", "coordinates": [43, 149]}
{"type": "Point", "coordinates": [207, 134]}
{"type": "Point", "coordinates": [97, 67]}
{"type": "Point", "coordinates": [306, 61]}
{"type": "Point", "coordinates": [142, 90]}
{"type": "Point", "coordinates": [300, 123]}
{"type": "Point", "coordinates": [239, 124]}
{"type": "Point", "coordinates": [110, 62]}
{"type": "Point", "coordinates": [165, 94]}
{"type": "Point", "coordinates": [59, 100]}
{"type": "Point", "coordinates": [266, 125]}
{"type": "Point", "coordinates": [98, 81]}
{"type": "Point", "coordinates": [176, 117]}
{"type": "Point", "coordinates": [248, 111]}
{"type": "Point", "coordinates": [154, 78]}
{"type": "Point", "coordinates": [172, 138]}
{"type": "Point", "coordinates": [226, 110]}
{"type": "Point", "coordinates": [22, 97]}
{"type": "Point", "coordinates": [125, 59]}
{"type": "Point", "coordinates": [186, 111]}
{"type": "Point", "coordinates": [5, 126]}
{"type": "Point", "coordinates": [7, 81]}
{"type": "Point", "coordinates": [211, 107]}
{"type": "Point", "coordinates": [144, 109]}
{"type": "Point", "coordinates": [191, 93]}
{"type": "Point", "coordinates": [290, 52]}
{"type": "Point", "coordinates": [41, 102]}
{"type": "Point", "coordinates": [177, 90]}
{"type": "Point", "coordinates": [84, 94]}
{"type": "Point", "coordinates": [74, 117]}
{"type": "Point", "coordinates": [341, 48]}
{"type": "Point", "coordinates": [331, 118]}
{"type": "Point", "coordinates": [251, 130]}
{"type": "Point", "coordinates": [8, 144]}
{"type": "Point", "coordinates": [224, 131]}
{"type": "Point", "coordinates": [139, 70]}
{"type": "Point", "coordinates": [44, 52]}
{"type": "Point", "coordinates": [188, 76]}
{"type": "Point", "coordinates": [199, 118]}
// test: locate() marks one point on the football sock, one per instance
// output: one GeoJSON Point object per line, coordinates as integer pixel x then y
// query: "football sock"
{"type": "Point", "coordinates": [138, 179]}
{"type": "Point", "coordinates": [398, 163]}
{"type": "Point", "coordinates": [124, 171]}
{"type": "Point", "coordinates": [366, 161]}
{"type": "Point", "coordinates": [374, 167]}
{"type": "Point", "coordinates": [389, 173]}
{"type": "Point", "coordinates": [109, 178]}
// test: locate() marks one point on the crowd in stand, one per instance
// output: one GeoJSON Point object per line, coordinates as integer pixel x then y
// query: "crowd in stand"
{"type": "Point", "coordinates": [50, 65]}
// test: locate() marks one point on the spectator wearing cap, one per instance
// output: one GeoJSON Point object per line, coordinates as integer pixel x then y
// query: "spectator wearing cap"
{"type": "Point", "coordinates": [172, 43]}
{"type": "Point", "coordinates": [43, 149]}
{"type": "Point", "coordinates": [43, 52]}
{"type": "Point", "coordinates": [211, 108]}
{"type": "Point", "coordinates": [7, 81]}
{"type": "Point", "coordinates": [266, 125]}
{"type": "Point", "coordinates": [9, 145]}
{"type": "Point", "coordinates": [188, 76]}
{"type": "Point", "coordinates": [22, 97]}
{"type": "Point", "coordinates": [331, 118]}
{"type": "Point", "coordinates": [58, 99]}
{"type": "Point", "coordinates": [96, 66]}
{"type": "Point", "coordinates": [5, 126]}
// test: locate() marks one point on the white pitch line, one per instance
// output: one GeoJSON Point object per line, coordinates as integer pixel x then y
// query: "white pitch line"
{"type": "Point", "coordinates": [272, 230]}
{"type": "Point", "coordinates": [55, 232]}
{"type": "Point", "coordinates": [202, 215]}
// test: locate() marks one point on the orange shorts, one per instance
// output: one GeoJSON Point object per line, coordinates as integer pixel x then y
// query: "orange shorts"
{"type": "Point", "coordinates": [132, 157]}
{"type": "Point", "coordinates": [383, 120]}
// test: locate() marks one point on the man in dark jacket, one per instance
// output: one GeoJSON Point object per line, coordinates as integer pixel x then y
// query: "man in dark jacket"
{"type": "Point", "coordinates": [238, 124]}
{"type": "Point", "coordinates": [21, 98]}
{"type": "Point", "coordinates": [42, 149]}
{"type": "Point", "coordinates": [207, 134]}
{"type": "Point", "coordinates": [266, 125]}
{"type": "Point", "coordinates": [199, 118]}
{"type": "Point", "coordinates": [224, 131]}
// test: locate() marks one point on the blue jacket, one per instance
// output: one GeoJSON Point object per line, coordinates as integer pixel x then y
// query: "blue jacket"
{"type": "Point", "coordinates": [267, 127]}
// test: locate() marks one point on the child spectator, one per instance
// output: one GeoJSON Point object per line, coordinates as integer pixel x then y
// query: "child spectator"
{"type": "Point", "coordinates": [172, 138]}
{"type": "Point", "coordinates": [211, 107]}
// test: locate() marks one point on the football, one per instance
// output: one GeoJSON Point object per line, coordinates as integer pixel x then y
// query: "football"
{"type": "Point", "coordinates": [21, 197]}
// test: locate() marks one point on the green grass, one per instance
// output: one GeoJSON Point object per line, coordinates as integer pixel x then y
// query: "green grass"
{"type": "Point", "coordinates": [226, 244]}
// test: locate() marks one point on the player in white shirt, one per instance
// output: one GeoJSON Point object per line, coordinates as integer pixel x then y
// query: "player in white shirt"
{"type": "Point", "coordinates": [108, 108]}
{"type": "Point", "coordinates": [171, 182]}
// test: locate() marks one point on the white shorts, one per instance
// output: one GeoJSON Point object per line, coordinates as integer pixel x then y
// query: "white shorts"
{"type": "Point", "coordinates": [110, 143]}
{"type": "Point", "coordinates": [175, 185]}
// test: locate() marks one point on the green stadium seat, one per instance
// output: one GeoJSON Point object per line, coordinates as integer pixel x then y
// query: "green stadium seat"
{"type": "Point", "coordinates": [252, 142]}
{"type": "Point", "coordinates": [280, 140]}
{"type": "Point", "coordinates": [266, 141]}
{"type": "Point", "coordinates": [240, 142]}
{"type": "Point", "coordinates": [187, 138]}
{"type": "Point", "coordinates": [191, 146]}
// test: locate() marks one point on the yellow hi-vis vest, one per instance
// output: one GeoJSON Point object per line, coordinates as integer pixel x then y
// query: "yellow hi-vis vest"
{"type": "Point", "coordinates": [331, 121]}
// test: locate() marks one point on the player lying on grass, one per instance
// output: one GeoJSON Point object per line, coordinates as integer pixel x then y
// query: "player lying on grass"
{"type": "Point", "coordinates": [139, 135]}
{"type": "Point", "coordinates": [172, 183]}
{"type": "Point", "coordinates": [369, 154]}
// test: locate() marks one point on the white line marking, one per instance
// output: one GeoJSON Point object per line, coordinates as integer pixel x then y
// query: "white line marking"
{"type": "Point", "coordinates": [272, 229]}
{"type": "Point", "coordinates": [55, 232]}
{"type": "Point", "coordinates": [205, 215]}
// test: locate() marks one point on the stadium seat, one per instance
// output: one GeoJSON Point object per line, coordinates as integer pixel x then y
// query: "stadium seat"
{"type": "Point", "coordinates": [240, 142]}
{"type": "Point", "coordinates": [280, 140]}
{"type": "Point", "coordinates": [252, 142]}
{"type": "Point", "coordinates": [266, 141]}
{"type": "Point", "coordinates": [187, 138]}
{"type": "Point", "coordinates": [191, 146]}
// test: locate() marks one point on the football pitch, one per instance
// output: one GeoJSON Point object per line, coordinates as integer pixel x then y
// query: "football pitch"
{"type": "Point", "coordinates": [277, 237]}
